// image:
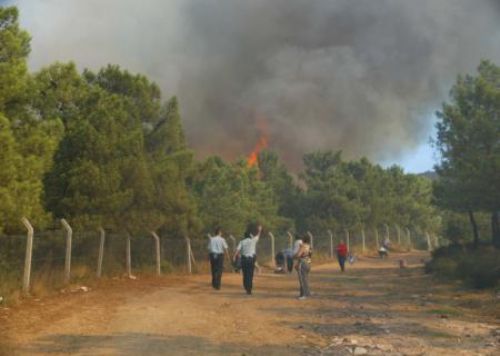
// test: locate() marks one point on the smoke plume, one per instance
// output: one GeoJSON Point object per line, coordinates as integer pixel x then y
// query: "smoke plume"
{"type": "Point", "coordinates": [362, 76]}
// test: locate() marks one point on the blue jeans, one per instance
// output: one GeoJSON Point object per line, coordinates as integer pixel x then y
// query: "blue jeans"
{"type": "Point", "coordinates": [303, 272]}
{"type": "Point", "coordinates": [341, 262]}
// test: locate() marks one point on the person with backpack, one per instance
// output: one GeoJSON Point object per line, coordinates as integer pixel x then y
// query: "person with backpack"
{"type": "Point", "coordinates": [217, 248]}
{"type": "Point", "coordinates": [246, 250]}
{"type": "Point", "coordinates": [303, 267]}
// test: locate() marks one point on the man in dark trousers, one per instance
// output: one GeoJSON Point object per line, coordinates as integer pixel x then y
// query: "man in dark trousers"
{"type": "Point", "coordinates": [217, 248]}
{"type": "Point", "coordinates": [246, 249]}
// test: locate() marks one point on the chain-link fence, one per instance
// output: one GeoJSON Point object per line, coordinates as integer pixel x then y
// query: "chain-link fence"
{"type": "Point", "coordinates": [50, 265]}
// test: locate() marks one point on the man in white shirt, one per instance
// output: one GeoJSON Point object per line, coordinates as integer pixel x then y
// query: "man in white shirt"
{"type": "Point", "coordinates": [246, 249]}
{"type": "Point", "coordinates": [217, 247]}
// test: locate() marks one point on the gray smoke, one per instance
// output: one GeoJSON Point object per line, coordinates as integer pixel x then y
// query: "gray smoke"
{"type": "Point", "coordinates": [363, 76]}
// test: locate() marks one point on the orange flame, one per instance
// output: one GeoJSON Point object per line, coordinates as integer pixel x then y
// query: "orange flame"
{"type": "Point", "coordinates": [259, 146]}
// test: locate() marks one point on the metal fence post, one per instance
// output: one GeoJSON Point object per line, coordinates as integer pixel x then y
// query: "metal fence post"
{"type": "Point", "coordinates": [348, 239]}
{"type": "Point", "coordinates": [436, 241]}
{"type": "Point", "coordinates": [331, 243]}
{"type": "Point", "coordinates": [312, 239]}
{"type": "Point", "coordinates": [429, 245]}
{"type": "Point", "coordinates": [408, 234]}
{"type": "Point", "coordinates": [67, 258]}
{"type": "Point", "coordinates": [233, 242]}
{"type": "Point", "coordinates": [290, 239]}
{"type": "Point", "coordinates": [100, 257]}
{"type": "Point", "coordinates": [399, 234]}
{"type": "Point", "coordinates": [363, 238]}
{"type": "Point", "coordinates": [387, 232]}
{"type": "Point", "coordinates": [29, 252]}
{"type": "Point", "coordinates": [157, 250]}
{"type": "Point", "coordinates": [129, 257]}
{"type": "Point", "coordinates": [188, 254]}
{"type": "Point", "coordinates": [273, 247]}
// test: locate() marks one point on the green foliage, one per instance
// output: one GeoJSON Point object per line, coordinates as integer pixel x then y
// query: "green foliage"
{"type": "Point", "coordinates": [286, 193]}
{"type": "Point", "coordinates": [231, 195]}
{"type": "Point", "coordinates": [26, 142]}
{"type": "Point", "coordinates": [468, 138]}
{"type": "Point", "coordinates": [170, 164]}
{"type": "Point", "coordinates": [480, 269]}
{"type": "Point", "coordinates": [99, 147]}
{"type": "Point", "coordinates": [14, 49]}
{"type": "Point", "coordinates": [352, 194]}
{"type": "Point", "coordinates": [477, 268]}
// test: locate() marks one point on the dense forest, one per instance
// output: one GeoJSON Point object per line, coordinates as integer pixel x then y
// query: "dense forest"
{"type": "Point", "coordinates": [105, 149]}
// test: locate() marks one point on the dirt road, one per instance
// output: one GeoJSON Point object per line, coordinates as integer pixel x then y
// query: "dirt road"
{"type": "Point", "coordinates": [373, 308]}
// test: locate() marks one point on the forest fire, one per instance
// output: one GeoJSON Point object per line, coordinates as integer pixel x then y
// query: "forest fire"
{"type": "Point", "coordinates": [259, 146]}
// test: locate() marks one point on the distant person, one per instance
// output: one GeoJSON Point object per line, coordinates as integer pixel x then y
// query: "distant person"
{"type": "Point", "coordinates": [383, 252]}
{"type": "Point", "coordinates": [246, 250]}
{"type": "Point", "coordinates": [284, 261]}
{"type": "Point", "coordinates": [279, 260]}
{"type": "Point", "coordinates": [341, 254]}
{"type": "Point", "coordinates": [386, 243]}
{"type": "Point", "coordinates": [303, 267]}
{"type": "Point", "coordinates": [289, 259]}
{"type": "Point", "coordinates": [217, 248]}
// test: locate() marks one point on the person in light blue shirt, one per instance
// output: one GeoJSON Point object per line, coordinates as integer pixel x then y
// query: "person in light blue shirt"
{"type": "Point", "coordinates": [217, 248]}
{"type": "Point", "coordinates": [246, 250]}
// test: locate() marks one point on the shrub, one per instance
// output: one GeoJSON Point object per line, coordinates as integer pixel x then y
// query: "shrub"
{"type": "Point", "coordinates": [443, 267]}
{"type": "Point", "coordinates": [478, 268]}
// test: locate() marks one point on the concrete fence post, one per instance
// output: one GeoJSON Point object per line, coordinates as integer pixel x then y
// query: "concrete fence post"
{"type": "Point", "coordinates": [436, 241]}
{"type": "Point", "coordinates": [67, 258]}
{"type": "Point", "coordinates": [100, 257]}
{"type": "Point", "coordinates": [347, 239]}
{"type": "Point", "coordinates": [273, 247]}
{"type": "Point", "coordinates": [233, 242]}
{"type": "Point", "coordinates": [363, 238]}
{"type": "Point", "coordinates": [331, 243]}
{"type": "Point", "coordinates": [429, 245]}
{"type": "Point", "coordinates": [290, 239]}
{"type": "Point", "coordinates": [188, 254]}
{"type": "Point", "coordinates": [387, 232]}
{"type": "Point", "coordinates": [312, 239]}
{"type": "Point", "coordinates": [129, 256]}
{"type": "Point", "coordinates": [157, 252]}
{"type": "Point", "coordinates": [29, 253]}
{"type": "Point", "coordinates": [193, 260]}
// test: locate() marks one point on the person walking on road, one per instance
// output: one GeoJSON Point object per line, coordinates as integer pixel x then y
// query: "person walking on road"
{"type": "Point", "coordinates": [303, 267]}
{"type": "Point", "coordinates": [217, 248]}
{"type": "Point", "coordinates": [246, 250]}
{"type": "Point", "coordinates": [341, 254]}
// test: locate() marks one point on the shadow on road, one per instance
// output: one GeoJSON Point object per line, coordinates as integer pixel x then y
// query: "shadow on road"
{"type": "Point", "coordinates": [146, 344]}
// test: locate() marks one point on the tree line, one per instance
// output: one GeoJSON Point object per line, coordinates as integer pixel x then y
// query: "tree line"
{"type": "Point", "coordinates": [105, 149]}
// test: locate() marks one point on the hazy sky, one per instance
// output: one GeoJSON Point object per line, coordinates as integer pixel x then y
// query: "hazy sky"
{"type": "Point", "coordinates": [363, 76]}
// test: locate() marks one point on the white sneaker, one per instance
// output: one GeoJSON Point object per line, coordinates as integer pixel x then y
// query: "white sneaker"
{"type": "Point", "coordinates": [302, 298]}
